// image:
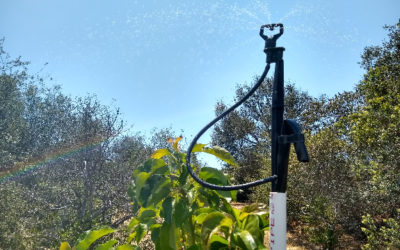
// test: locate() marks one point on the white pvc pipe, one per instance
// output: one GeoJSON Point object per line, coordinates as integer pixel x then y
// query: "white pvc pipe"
{"type": "Point", "coordinates": [277, 220]}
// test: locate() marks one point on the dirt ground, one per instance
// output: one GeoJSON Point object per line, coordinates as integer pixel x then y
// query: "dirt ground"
{"type": "Point", "coordinates": [296, 241]}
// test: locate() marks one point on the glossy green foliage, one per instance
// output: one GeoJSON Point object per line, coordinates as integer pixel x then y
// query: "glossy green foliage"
{"type": "Point", "coordinates": [92, 236]}
{"type": "Point", "coordinates": [186, 215]}
{"type": "Point", "coordinates": [89, 238]}
{"type": "Point", "coordinates": [178, 213]}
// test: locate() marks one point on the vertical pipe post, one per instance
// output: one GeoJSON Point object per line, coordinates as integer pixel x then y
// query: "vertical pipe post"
{"type": "Point", "coordinates": [277, 221]}
{"type": "Point", "coordinates": [278, 93]}
{"type": "Point", "coordinates": [277, 196]}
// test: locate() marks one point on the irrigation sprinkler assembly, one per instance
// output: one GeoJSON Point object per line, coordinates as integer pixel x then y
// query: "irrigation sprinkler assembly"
{"type": "Point", "coordinates": [283, 133]}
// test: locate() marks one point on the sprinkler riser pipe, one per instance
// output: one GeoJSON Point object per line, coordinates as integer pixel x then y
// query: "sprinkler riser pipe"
{"type": "Point", "coordinates": [277, 220]}
{"type": "Point", "coordinates": [278, 95]}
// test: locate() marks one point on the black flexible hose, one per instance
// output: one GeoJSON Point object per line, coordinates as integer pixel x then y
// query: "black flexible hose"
{"type": "Point", "coordinates": [226, 112]}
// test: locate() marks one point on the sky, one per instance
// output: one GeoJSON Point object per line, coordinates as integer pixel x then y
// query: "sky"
{"type": "Point", "coordinates": [167, 63]}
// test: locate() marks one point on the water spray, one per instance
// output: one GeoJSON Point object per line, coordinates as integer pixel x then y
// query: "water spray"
{"type": "Point", "coordinates": [283, 134]}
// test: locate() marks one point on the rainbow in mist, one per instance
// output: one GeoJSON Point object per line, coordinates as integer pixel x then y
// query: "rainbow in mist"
{"type": "Point", "coordinates": [26, 167]}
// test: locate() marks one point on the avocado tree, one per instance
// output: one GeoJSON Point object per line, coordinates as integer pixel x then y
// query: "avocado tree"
{"type": "Point", "coordinates": [178, 213]}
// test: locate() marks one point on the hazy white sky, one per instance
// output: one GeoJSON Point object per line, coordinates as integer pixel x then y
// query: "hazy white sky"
{"type": "Point", "coordinates": [166, 63]}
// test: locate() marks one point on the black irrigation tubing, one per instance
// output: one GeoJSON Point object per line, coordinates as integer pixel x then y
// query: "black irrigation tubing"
{"type": "Point", "coordinates": [226, 112]}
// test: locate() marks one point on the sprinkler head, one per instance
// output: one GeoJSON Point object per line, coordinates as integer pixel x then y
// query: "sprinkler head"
{"type": "Point", "coordinates": [272, 26]}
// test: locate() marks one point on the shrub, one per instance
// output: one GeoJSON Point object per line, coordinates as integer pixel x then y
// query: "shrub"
{"type": "Point", "coordinates": [178, 213]}
{"type": "Point", "coordinates": [322, 227]}
{"type": "Point", "coordinates": [382, 235]}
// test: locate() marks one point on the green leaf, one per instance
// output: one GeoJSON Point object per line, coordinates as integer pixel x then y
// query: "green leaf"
{"type": "Point", "coordinates": [130, 237]}
{"type": "Point", "coordinates": [133, 223]}
{"type": "Point", "coordinates": [181, 211]}
{"type": "Point", "coordinates": [246, 241]}
{"type": "Point", "coordinates": [149, 165]}
{"type": "Point", "coordinates": [183, 175]}
{"type": "Point", "coordinates": [160, 193]}
{"type": "Point", "coordinates": [167, 237]}
{"type": "Point", "coordinates": [127, 247]}
{"type": "Point", "coordinates": [133, 195]}
{"type": "Point", "coordinates": [92, 236]}
{"type": "Point", "coordinates": [107, 245]}
{"type": "Point", "coordinates": [221, 154]}
{"type": "Point", "coordinates": [167, 210]}
{"type": "Point", "coordinates": [216, 242]}
{"type": "Point", "coordinates": [252, 225]}
{"type": "Point", "coordinates": [200, 218]}
{"type": "Point", "coordinates": [161, 153]}
{"type": "Point", "coordinates": [211, 196]}
{"type": "Point", "coordinates": [211, 221]}
{"type": "Point", "coordinates": [204, 210]}
{"type": "Point", "coordinates": [233, 194]}
{"type": "Point", "coordinates": [226, 223]}
{"type": "Point", "coordinates": [264, 221]}
{"type": "Point", "coordinates": [154, 226]}
{"type": "Point", "coordinates": [146, 214]}
{"type": "Point", "coordinates": [216, 177]}
{"type": "Point", "coordinates": [231, 210]}
{"type": "Point", "coordinates": [213, 176]}
{"type": "Point", "coordinates": [195, 247]}
{"type": "Point", "coordinates": [65, 246]}
{"type": "Point", "coordinates": [151, 189]}
{"type": "Point", "coordinates": [141, 230]}
{"type": "Point", "coordinates": [198, 147]}
{"type": "Point", "coordinates": [140, 181]}
{"type": "Point", "coordinates": [155, 233]}
{"type": "Point", "coordinates": [217, 151]}
{"type": "Point", "coordinates": [163, 170]}
{"type": "Point", "coordinates": [250, 208]}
